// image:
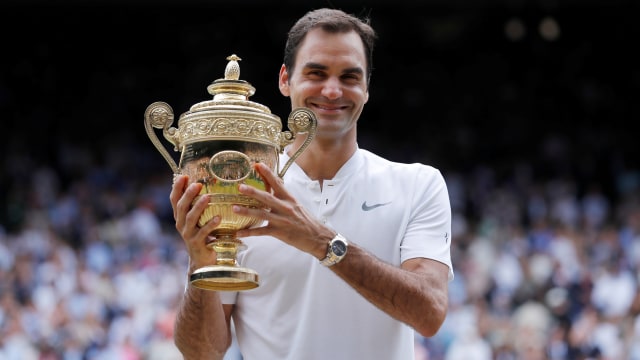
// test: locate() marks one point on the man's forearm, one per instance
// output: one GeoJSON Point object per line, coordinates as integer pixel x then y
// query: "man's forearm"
{"type": "Point", "coordinates": [201, 328]}
{"type": "Point", "coordinates": [417, 297]}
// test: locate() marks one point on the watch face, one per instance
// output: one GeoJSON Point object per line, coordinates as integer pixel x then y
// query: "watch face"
{"type": "Point", "coordinates": [338, 248]}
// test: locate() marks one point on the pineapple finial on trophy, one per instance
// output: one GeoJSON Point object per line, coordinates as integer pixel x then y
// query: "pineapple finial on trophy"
{"type": "Point", "coordinates": [230, 88]}
{"type": "Point", "coordinates": [232, 71]}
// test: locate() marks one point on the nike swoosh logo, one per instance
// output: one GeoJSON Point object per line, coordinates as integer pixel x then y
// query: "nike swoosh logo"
{"type": "Point", "coordinates": [366, 207]}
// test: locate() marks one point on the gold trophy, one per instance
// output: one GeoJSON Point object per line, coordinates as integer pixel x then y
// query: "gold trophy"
{"type": "Point", "coordinates": [220, 140]}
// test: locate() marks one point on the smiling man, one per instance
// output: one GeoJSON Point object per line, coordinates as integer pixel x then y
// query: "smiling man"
{"type": "Point", "coordinates": [355, 254]}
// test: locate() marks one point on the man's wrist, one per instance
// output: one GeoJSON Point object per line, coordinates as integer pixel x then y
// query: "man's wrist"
{"type": "Point", "coordinates": [336, 250]}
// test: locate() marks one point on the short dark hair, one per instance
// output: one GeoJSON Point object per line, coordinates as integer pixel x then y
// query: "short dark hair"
{"type": "Point", "coordinates": [333, 21]}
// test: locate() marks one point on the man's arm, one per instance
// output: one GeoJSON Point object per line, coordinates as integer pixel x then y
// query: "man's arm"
{"type": "Point", "coordinates": [202, 329]}
{"type": "Point", "coordinates": [415, 293]}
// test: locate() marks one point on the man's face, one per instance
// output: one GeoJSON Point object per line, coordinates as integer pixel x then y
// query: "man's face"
{"type": "Point", "coordinates": [329, 77]}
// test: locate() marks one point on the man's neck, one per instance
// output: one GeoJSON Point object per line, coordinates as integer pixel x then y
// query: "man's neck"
{"type": "Point", "coordinates": [322, 160]}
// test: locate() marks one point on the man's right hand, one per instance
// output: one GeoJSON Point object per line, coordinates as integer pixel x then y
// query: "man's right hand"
{"type": "Point", "coordinates": [186, 214]}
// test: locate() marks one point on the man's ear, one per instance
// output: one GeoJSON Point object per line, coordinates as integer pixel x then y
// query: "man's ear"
{"type": "Point", "coordinates": [283, 81]}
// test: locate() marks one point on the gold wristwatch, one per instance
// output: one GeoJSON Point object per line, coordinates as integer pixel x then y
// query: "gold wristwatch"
{"type": "Point", "coordinates": [336, 250]}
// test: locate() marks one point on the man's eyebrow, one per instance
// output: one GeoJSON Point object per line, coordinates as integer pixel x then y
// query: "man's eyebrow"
{"type": "Point", "coordinates": [317, 66]}
{"type": "Point", "coordinates": [312, 65]}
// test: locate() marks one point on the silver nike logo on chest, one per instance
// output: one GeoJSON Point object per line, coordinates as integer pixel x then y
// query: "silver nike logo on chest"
{"type": "Point", "coordinates": [366, 207]}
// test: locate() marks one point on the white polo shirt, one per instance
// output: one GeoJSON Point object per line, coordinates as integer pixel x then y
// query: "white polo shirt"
{"type": "Point", "coordinates": [302, 310]}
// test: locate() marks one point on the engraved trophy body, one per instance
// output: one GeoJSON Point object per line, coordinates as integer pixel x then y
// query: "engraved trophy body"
{"type": "Point", "coordinates": [219, 141]}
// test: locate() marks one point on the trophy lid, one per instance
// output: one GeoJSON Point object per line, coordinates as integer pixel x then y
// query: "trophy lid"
{"type": "Point", "coordinates": [230, 92]}
{"type": "Point", "coordinates": [229, 116]}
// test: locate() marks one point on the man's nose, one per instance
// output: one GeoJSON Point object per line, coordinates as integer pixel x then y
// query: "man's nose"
{"type": "Point", "coordinates": [331, 88]}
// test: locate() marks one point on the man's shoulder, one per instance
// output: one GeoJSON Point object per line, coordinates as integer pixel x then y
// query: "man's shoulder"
{"type": "Point", "coordinates": [373, 159]}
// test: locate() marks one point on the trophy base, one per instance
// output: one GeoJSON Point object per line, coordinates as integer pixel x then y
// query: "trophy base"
{"type": "Point", "coordinates": [224, 278]}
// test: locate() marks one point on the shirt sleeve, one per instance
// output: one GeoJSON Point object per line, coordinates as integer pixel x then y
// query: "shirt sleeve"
{"type": "Point", "coordinates": [428, 233]}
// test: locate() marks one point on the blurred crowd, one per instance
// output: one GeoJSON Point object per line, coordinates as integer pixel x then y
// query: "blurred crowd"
{"type": "Point", "coordinates": [88, 268]}
{"type": "Point", "coordinates": [544, 273]}
{"type": "Point", "coordinates": [91, 266]}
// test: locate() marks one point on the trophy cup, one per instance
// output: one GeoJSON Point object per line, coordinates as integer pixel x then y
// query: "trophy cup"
{"type": "Point", "coordinates": [220, 140]}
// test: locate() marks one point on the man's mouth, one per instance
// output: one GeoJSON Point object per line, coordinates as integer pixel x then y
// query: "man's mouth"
{"type": "Point", "coordinates": [326, 107]}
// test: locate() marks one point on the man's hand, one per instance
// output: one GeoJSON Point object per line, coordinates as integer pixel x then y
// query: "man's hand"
{"type": "Point", "coordinates": [186, 214]}
{"type": "Point", "coordinates": [287, 220]}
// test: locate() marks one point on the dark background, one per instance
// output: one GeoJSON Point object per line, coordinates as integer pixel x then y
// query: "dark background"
{"type": "Point", "coordinates": [449, 88]}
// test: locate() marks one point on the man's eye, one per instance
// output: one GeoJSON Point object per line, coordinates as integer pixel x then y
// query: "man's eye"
{"type": "Point", "coordinates": [351, 78]}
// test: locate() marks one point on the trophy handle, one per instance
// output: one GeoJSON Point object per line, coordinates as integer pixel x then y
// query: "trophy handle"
{"type": "Point", "coordinates": [300, 120]}
{"type": "Point", "coordinates": [159, 115]}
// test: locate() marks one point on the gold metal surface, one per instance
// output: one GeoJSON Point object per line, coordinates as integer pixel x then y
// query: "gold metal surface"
{"type": "Point", "coordinates": [219, 141]}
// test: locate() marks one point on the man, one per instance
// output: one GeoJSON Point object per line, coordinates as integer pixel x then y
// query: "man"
{"type": "Point", "coordinates": [316, 301]}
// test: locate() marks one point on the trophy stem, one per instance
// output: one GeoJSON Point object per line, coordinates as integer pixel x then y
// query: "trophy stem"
{"type": "Point", "coordinates": [226, 248]}
{"type": "Point", "coordinates": [226, 274]}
